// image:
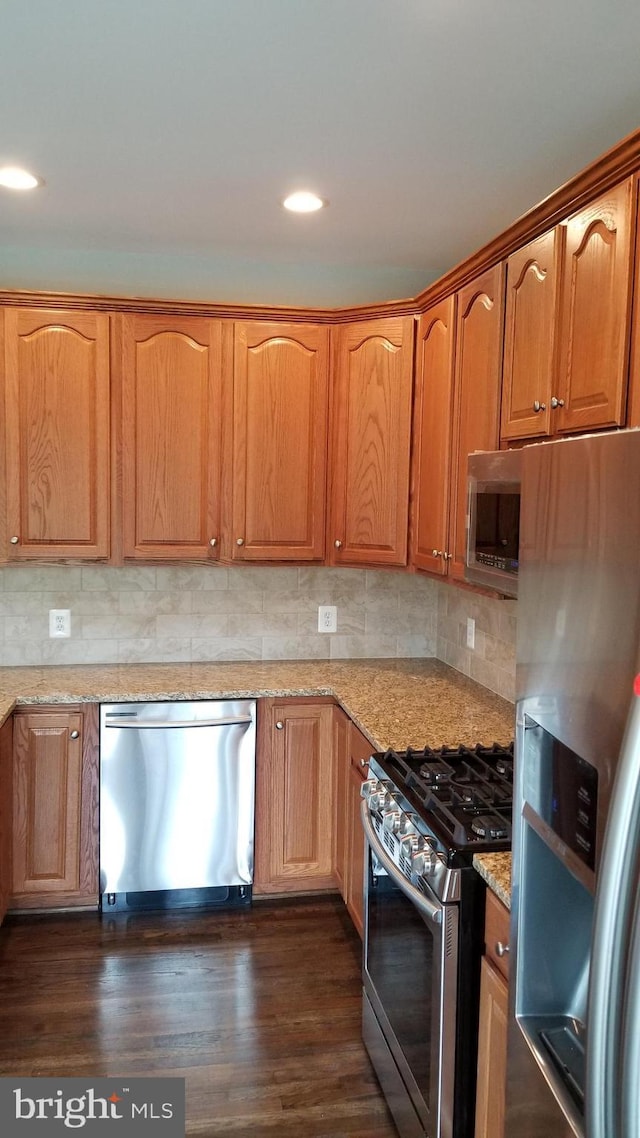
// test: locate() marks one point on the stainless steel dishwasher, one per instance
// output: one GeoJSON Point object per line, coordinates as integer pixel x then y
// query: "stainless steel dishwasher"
{"type": "Point", "coordinates": [177, 791]}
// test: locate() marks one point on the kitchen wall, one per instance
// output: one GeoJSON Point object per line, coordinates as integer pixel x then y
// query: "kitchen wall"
{"type": "Point", "coordinates": [142, 614]}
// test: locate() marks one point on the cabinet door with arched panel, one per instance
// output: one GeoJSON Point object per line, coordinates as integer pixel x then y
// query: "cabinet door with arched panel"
{"type": "Point", "coordinates": [280, 418]}
{"type": "Point", "coordinates": [171, 436]}
{"type": "Point", "coordinates": [371, 430]}
{"type": "Point", "coordinates": [56, 414]}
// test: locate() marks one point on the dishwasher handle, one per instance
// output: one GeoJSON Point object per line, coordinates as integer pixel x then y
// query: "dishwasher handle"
{"type": "Point", "coordinates": [163, 724]}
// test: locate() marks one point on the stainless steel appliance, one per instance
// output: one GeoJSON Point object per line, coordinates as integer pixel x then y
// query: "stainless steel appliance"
{"type": "Point", "coordinates": [176, 803]}
{"type": "Point", "coordinates": [425, 813]}
{"type": "Point", "coordinates": [493, 520]}
{"type": "Point", "coordinates": [575, 867]}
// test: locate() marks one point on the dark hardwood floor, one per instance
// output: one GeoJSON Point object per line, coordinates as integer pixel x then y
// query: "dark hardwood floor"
{"type": "Point", "coordinates": [259, 1010]}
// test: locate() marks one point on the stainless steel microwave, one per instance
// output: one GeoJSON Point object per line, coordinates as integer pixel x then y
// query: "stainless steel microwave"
{"type": "Point", "coordinates": [493, 520]}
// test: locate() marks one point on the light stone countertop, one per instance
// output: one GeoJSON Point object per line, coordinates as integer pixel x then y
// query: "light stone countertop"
{"type": "Point", "coordinates": [395, 703]}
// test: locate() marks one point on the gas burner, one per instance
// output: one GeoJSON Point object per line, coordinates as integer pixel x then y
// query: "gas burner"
{"type": "Point", "coordinates": [462, 793]}
{"type": "Point", "coordinates": [489, 826]}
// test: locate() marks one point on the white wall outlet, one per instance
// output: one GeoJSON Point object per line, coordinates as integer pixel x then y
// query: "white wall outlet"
{"type": "Point", "coordinates": [471, 632]}
{"type": "Point", "coordinates": [59, 622]}
{"type": "Point", "coordinates": [327, 618]}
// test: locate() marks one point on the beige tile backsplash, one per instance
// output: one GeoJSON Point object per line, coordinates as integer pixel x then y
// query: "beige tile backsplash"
{"type": "Point", "coordinates": [182, 613]}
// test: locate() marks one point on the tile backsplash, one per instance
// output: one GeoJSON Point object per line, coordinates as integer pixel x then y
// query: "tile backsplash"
{"type": "Point", "coordinates": [197, 613]}
{"type": "Point", "coordinates": [492, 661]}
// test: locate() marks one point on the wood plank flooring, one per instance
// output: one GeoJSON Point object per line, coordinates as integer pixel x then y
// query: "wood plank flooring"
{"type": "Point", "coordinates": [259, 1010]}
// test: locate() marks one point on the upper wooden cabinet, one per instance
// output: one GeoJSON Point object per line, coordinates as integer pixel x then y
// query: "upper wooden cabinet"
{"type": "Point", "coordinates": [595, 312]}
{"type": "Point", "coordinates": [457, 412]}
{"type": "Point", "coordinates": [530, 337]}
{"type": "Point", "coordinates": [567, 324]}
{"type": "Point", "coordinates": [371, 425]}
{"type": "Point", "coordinates": [432, 426]}
{"type": "Point", "coordinates": [280, 413]}
{"type": "Point", "coordinates": [56, 409]}
{"type": "Point", "coordinates": [476, 395]}
{"type": "Point", "coordinates": [171, 436]}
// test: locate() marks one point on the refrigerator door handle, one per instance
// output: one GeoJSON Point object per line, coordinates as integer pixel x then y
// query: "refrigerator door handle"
{"type": "Point", "coordinates": [615, 896]}
{"type": "Point", "coordinates": [630, 1083]}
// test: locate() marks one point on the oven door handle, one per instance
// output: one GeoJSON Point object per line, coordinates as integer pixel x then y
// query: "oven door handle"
{"type": "Point", "coordinates": [429, 909]}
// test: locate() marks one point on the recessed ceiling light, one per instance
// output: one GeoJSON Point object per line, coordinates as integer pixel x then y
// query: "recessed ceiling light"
{"type": "Point", "coordinates": [14, 178]}
{"type": "Point", "coordinates": [303, 202]}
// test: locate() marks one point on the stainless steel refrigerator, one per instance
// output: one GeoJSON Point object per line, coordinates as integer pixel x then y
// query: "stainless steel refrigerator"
{"type": "Point", "coordinates": [574, 1030]}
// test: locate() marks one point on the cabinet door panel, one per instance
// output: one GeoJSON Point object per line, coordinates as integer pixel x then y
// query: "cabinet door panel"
{"type": "Point", "coordinates": [295, 798]}
{"type": "Point", "coordinates": [172, 422]}
{"type": "Point", "coordinates": [46, 803]}
{"type": "Point", "coordinates": [57, 433]}
{"type": "Point", "coordinates": [281, 376]}
{"type": "Point", "coordinates": [371, 442]}
{"type": "Point", "coordinates": [6, 814]}
{"type": "Point", "coordinates": [492, 1054]}
{"type": "Point", "coordinates": [594, 340]}
{"type": "Point", "coordinates": [476, 393]}
{"type": "Point", "coordinates": [432, 437]}
{"type": "Point", "coordinates": [530, 328]}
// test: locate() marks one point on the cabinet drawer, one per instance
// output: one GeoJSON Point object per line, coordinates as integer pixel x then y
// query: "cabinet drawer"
{"type": "Point", "coordinates": [497, 933]}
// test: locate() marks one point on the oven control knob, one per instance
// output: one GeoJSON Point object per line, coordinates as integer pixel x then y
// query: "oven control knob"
{"type": "Point", "coordinates": [409, 844]}
{"type": "Point", "coordinates": [372, 790]}
{"type": "Point", "coordinates": [406, 825]}
{"type": "Point", "coordinates": [424, 859]}
{"type": "Point", "coordinates": [391, 820]}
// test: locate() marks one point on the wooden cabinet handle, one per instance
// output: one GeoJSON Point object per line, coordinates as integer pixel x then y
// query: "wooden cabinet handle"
{"type": "Point", "coordinates": [538, 406]}
{"type": "Point", "coordinates": [14, 540]}
{"type": "Point", "coordinates": [556, 402]}
{"type": "Point", "coordinates": [239, 541]}
{"type": "Point", "coordinates": [436, 552]}
{"type": "Point", "coordinates": [213, 542]}
{"type": "Point", "coordinates": [501, 949]}
{"type": "Point", "coordinates": [279, 725]}
{"type": "Point", "coordinates": [74, 734]}
{"type": "Point", "coordinates": [338, 544]}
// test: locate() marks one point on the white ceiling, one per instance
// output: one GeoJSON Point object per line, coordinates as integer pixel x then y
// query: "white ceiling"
{"type": "Point", "coordinates": [168, 130]}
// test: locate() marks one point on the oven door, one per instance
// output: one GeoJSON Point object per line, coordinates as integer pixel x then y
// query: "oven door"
{"type": "Point", "coordinates": [410, 994]}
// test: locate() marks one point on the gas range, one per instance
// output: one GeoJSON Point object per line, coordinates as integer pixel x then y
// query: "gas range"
{"type": "Point", "coordinates": [434, 809]}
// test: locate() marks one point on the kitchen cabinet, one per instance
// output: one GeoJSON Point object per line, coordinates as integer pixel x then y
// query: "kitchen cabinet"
{"type": "Point", "coordinates": [476, 398]}
{"type": "Point", "coordinates": [56, 426]}
{"type": "Point", "coordinates": [492, 1034]}
{"type": "Point", "coordinates": [55, 807]}
{"type": "Point", "coordinates": [371, 427]}
{"type": "Point", "coordinates": [295, 797]}
{"type": "Point", "coordinates": [432, 437]}
{"type": "Point", "coordinates": [280, 420]}
{"type": "Point", "coordinates": [567, 324]}
{"type": "Point", "coordinates": [457, 412]}
{"type": "Point", "coordinates": [352, 752]}
{"type": "Point", "coordinates": [171, 427]}
{"type": "Point", "coordinates": [531, 317]}
{"type": "Point", "coordinates": [633, 406]}
{"type": "Point", "coordinates": [6, 792]}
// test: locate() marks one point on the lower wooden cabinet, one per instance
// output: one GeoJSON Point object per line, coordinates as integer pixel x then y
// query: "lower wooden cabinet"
{"type": "Point", "coordinates": [492, 1035]}
{"type": "Point", "coordinates": [295, 797]}
{"type": "Point", "coordinates": [352, 753]}
{"type": "Point", "coordinates": [55, 807]}
{"type": "Point", "coordinates": [6, 782]}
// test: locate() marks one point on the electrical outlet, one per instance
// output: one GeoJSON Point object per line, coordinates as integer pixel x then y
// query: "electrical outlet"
{"type": "Point", "coordinates": [327, 618]}
{"type": "Point", "coordinates": [471, 632]}
{"type": "Point", "coordinates": [59, 622]}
